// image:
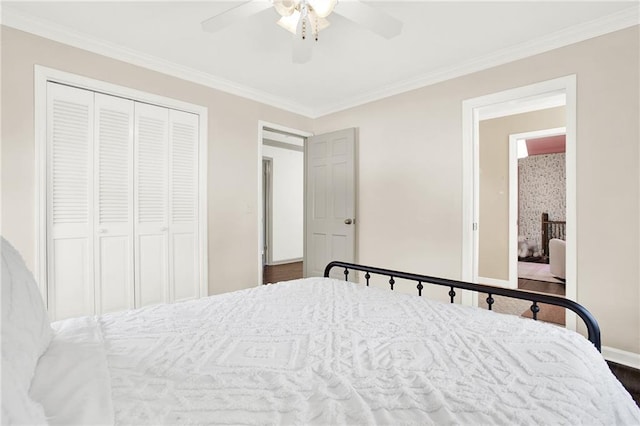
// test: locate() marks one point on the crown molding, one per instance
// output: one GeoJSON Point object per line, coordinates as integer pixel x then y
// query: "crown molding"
{"type": "Point", "coordinates": [61, 34]}
{"type": "Point", "coordinates": [617, 21]}
{"type": "Point", "coordinates": [620, 20]}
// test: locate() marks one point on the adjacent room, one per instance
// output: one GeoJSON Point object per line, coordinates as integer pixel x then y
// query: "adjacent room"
{"type": "Point", "coordinates": [444, 198]}
{"type": "Point", "coordinates": [542, 209]}
{"type": "Point", "coordinates": [283, 206]}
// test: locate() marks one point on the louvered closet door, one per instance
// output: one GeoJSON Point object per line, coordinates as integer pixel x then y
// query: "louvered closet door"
{"type": "Point", "coordinates": [70, 202]}
{"type": "Point", "coordinates": [113, 144]}
{"type": "Point", "coordinates": [183, 206]}
{"type": "Point", "coordinates": [151, 204]}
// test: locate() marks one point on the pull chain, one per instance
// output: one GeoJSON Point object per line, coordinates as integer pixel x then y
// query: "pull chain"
{"type": "Point", "coordinates": [316, 33]}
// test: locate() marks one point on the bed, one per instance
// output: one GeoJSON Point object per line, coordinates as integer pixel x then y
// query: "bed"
{"type": "Point", "coordinates": [312, 351]}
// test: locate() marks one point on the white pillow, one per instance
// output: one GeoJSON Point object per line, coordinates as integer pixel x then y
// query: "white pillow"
{"type": "Point", "coordinates": [17, 407]}
{"type": "Point", "coordinates": [26, 329]}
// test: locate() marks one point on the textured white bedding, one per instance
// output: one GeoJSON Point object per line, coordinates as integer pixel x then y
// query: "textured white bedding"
{"type": "Point", "coordinates": [320, 351]}
{"type": "Point", "coordinates": [75, 368]}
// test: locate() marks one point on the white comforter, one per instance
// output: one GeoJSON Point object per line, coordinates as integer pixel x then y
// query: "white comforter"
{"type": "Point", "coordinates": [320, 351]}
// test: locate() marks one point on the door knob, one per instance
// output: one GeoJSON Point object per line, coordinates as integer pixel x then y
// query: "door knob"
{"type": "Point", "coordinates": [348, 221]}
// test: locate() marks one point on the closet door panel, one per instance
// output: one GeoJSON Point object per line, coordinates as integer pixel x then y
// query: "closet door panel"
{"type": "Point", "coordinates": [151, 204]}
{"type": "Point", "coordinates": [115, 282]}
{"type": "Point", "coordinates": [69, 201]}
{"type": "Point", "coordinates": [71, 290]}
{"type": "Point", "coordinates": [152, 272]}
{"type": "Point", "coordinates": [184, 277]}
{"type": "Point", "coordinates": [114, 203]}
{"type": "Point", "coordinates": [183, 205]}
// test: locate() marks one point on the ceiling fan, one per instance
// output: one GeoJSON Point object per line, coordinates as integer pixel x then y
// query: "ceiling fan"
{"type": "Point", "coordinates": [306, 18]}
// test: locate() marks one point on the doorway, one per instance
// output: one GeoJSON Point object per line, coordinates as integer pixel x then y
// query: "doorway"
{"type": "Point", "coordinates": [505, 103]}
{"type": "Point", "coordinates": [329, 193]}
{"type": "Point", "coordinates": [282, 230]}
{"type": "Point", "coordinates": [537, 199]}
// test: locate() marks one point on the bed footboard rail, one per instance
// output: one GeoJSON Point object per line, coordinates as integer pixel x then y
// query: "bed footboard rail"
{"type": "Point", "coordinates": [593, 329]}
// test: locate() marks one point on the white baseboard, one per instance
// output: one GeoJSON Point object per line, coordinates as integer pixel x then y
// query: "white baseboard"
{"type": "Point", "coordinates": [630, 359]}
{"type": "Point", "coordinates": [284, 262]}
{"type": "Point", "coordinates": [494, 282]}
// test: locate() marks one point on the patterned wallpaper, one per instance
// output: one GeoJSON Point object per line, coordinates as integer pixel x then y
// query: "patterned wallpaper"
{"type": "Point", "coordinates": [541, 188]}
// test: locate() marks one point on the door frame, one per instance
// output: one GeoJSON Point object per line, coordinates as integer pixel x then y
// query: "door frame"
{"type": "Point", "coordinates": [267, 209]}
{"type": "Point", "coordinates": [514, 195]}
{"type": "Point", "coordinates": [284, 129]}
{"type": "Point", "coordinates": [471, 109]}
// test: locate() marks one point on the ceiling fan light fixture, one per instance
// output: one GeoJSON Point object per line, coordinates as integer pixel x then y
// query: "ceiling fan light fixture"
{"type": "Point", "coordinates": [302, 17]}
{"type": "Point", "coordinates": [306, 18]}
{"type": "Point", "coordinates": [285, 7]}
{"type": "Point", "coordinates": [322, 8]}
{"type": "Point", "coordinates": [290, 22]}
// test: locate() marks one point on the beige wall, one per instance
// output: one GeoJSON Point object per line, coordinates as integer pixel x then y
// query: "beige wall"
{"type": "Point", "coordinates": [410, 165]}
{"type": "Point", "coordinates": [493, 238]}
{"type": "Point", "coordinates": [410, 173]}
{"type": "Point", "coordinates": [233, 152]}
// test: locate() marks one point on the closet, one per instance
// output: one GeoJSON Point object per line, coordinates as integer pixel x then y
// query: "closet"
{"type": "Point", "coordinates": [122, 203]}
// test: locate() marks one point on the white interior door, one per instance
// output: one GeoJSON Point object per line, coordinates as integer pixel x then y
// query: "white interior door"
{"type": "Point", "coordinates": [330, 200]}
{"type": "Point", "coordinates": [151, 199]}
{"type": "Point", "coordinates": [70, 240]}
{"type": "Point", "coordinates": [183, 206]}
{"type": "Point", "coordinates": [114, 203]}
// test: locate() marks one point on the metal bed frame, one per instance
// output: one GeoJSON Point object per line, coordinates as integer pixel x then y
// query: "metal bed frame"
{"type": "Point", "coordinates": [593, 329]}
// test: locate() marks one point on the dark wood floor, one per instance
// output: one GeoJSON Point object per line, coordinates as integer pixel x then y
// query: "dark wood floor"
{"type": "Point", "coordinates": [629, 377]}
{"type": "Point", "coordinates": [541, 286]}
{"type": "Point", "coordinates": [548, 313]}
{"type": "Point", "coordinates": [284, 272]}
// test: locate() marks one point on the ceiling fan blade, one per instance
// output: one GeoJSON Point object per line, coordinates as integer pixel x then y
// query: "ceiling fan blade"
{"type": "Point", "coordinates": [370, 18]}
{"type": "Point", "coordinates": [242, 11]}
{"type": "Point", "coordinates": [301, 50]}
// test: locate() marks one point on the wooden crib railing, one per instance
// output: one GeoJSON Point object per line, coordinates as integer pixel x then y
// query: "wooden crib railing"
{"type": "Point", "coordinates": [551, 229]}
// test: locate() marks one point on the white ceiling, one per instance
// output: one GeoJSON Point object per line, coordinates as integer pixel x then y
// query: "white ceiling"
{"type": "Point", "coordinates": [350, 65]}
